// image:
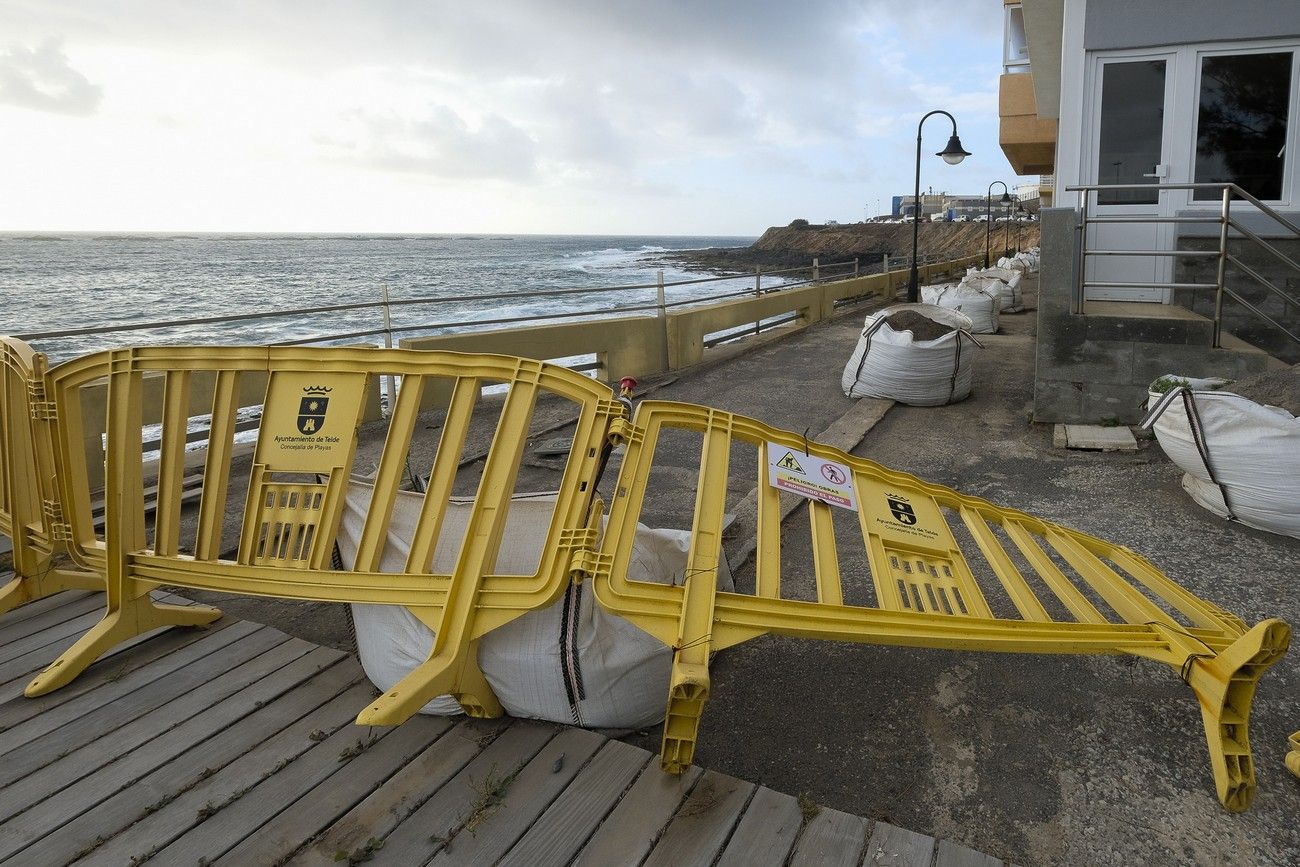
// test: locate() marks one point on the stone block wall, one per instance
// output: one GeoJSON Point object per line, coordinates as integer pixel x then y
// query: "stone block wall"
{"type": "Point", "coordinates": [1092, 369]}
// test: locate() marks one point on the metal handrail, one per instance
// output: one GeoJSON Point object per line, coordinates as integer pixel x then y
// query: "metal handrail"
{"type": "Point", "coordinates": [388, 304]}
{"type": "Point", "coordinates": [1226, 223]}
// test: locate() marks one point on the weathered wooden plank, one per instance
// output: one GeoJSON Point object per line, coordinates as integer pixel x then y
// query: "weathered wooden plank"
{"type": "Point", "coordinates": [891, 846]}
{"type": "Point", "coordinates": [144, 796]}
{"type": "Point", "coordinates": [102, 777]}
{"type": "Point", "coordinates": [230, 823]}
{"type": "Point", "coordinates": [386, 807]}
{"type": "Point", "coordinates": [703, 823]}
{"type": "Point", "coordinates": [75, 750]}
{"type": "Point", "coordinates": [766, 832]}
{"type": "Point", "coordinates": [184, 810]}
{"type": "Point", "coordinates": [831, 839]}
{"type": "Point", "coordinates": [28, 726]}
{"type": "Point", "coordinates": [950, 854]}
{"type": "Point", "coordinates": [331, 798]}
{"type": "Point", "coordinates": [40, 606]}
{"type": "Point", "coordinates": [15, 674]}
{"type": "Point", "coordinates": [631, 829]}
{"type": "Point", "coordinates": [11, 632]}
{"type": "Point", "coordinates": [445, 811]}
{"type": "Point", "coordinates": [567, 823]}
{"type": "Point", "coordinates": [18, 648]}
{"type": "Point", "coordinates": [527, 796]}
{"type": "Point", "coordinates": [155, 653]}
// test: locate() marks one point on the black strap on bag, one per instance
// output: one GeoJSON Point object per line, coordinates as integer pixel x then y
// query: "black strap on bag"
{"type": "Point", "coordinates": [1197, 428]}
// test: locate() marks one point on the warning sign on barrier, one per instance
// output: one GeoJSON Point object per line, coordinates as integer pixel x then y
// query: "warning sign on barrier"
{"type": "Point", "coordinates": [811, 477]}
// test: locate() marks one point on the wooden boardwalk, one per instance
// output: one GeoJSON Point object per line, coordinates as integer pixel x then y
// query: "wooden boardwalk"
{"type": "Point", "coordinates": [236, 745]}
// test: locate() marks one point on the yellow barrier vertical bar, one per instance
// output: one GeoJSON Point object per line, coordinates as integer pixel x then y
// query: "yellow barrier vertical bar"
{"type": "Point", "coordinates": [1017, 588]}
{"type": "Point", "coordinates": [1127, 601]}
{"type": "Point", "coordinates": [68, 438]}
{"type": "Point", "coordinates": [688, 689]}
{"type": "Point", "coordinates": [1074, 601]}
{"type": "Point", "coordinates": [826, 561]}
{"type": "Point", "coordinates": [171, 463]}
{"type": "Point", "coordinates": [442, 476]}
{"type": "Point", "coordinates": [388, 479]}
{"type": "Point", "coordinates": [768, 551]}
{"type": "Point", "coordinates": [1195, 609]}
{"type": "Point", "coordinates": [216, 472]}
{"type": "Point", "coordinates": [452, 666]}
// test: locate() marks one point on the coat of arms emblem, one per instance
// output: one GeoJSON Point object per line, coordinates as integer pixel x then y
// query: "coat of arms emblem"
{"type": "Point", "coordinates": [311, 410]}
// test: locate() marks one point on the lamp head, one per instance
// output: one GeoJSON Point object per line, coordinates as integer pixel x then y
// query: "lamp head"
{"type": "Point", "coordinates": [954, 152]}
{"type": "Point", "coordinates": [1006, 199]}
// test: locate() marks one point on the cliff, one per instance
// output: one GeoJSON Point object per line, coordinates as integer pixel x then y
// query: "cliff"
{"type": "Point", "coordinates": [790, 246]}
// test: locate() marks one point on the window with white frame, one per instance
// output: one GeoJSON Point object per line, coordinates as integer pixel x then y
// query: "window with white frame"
{"type": "Point", "coordinates": [1015, 45]}
{"type": "Point", "coordinates": [1242, 121]}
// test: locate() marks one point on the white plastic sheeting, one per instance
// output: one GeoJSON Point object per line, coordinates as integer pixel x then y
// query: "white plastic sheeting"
{"type": "Point", "coordinates": [572, 662]}
{"type": "Point", "coordinates": [893, 364]}
{"type": "Point", "coordinates": [981, 305]}
{"type": "Point", "coordinates": [1240, 459]}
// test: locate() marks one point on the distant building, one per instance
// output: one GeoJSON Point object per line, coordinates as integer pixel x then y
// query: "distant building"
{"type": "Point", "coordinates": [950, 205]}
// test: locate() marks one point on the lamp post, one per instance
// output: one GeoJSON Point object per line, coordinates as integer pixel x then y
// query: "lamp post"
{"type": "Point", "coordinates": [988, 216]}
{"type": "Point", "coordinates": [1006, 234]}
{"type": "Point", "coordinates": [952, 154]}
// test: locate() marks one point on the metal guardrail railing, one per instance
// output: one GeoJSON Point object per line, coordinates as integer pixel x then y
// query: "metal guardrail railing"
{"type": "Point", "coordinates": [789, 278]}
{"type": "Point", "coordinates": [1227, 224]}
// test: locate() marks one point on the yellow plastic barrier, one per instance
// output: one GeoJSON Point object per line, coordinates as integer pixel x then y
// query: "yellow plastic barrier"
{"type": "Point", "coordinates": [31, 514]}
{"type": "Point", "coordinates": [1091, 597]}
{"type": "Point", "coordinates": [303, 458]}
{"type": "Point", "coordinates": [926, 592]}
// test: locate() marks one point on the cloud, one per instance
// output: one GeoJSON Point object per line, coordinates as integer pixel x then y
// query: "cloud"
{"type": "Point", "coordinates": [442, 144]}
{"type": "Point", "coordinates": [41, 79]}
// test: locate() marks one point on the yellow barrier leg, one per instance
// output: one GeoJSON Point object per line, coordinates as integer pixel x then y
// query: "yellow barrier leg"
{"type": "Point", "coordinates": [29, 588]}
{"type": "Point", "coordinates": [449, 672]}
{"type": "Point", "coordinates": [1225, 686]}
{"type": "Point", "coordinates": [687, 693]}
{"type": "Point", "coordinates": [1293, 757]}
{"type": "Point", "coordinates": [135, 617]}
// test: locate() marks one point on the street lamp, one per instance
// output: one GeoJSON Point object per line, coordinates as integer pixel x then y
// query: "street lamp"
{"type": "Point", "coordinates": [952, 154]}
{"type": "Point", "coordinates": [988, 216]}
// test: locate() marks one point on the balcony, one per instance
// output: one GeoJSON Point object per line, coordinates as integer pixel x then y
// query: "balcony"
{"type": "Point", "coordinates": [1028, 141]}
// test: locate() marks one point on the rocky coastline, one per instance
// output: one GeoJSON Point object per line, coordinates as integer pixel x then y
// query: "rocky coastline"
{"type": "Point", "coordinates": [797, 244]}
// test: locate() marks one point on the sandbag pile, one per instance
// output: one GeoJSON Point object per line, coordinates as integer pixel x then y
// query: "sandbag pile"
{"type": "Point", "coordinates": [1005, 281]}
{"type": "Point", "coordinates": [917, 354]}
{"type": "Point", "coordinates": [1240, 458]}
{"type": "Point", "coordinates": [1026, 260]}
{"type": "Point", "coordinates": [980, 304]}
{"type": "Point", "coordinates": [572, 662]}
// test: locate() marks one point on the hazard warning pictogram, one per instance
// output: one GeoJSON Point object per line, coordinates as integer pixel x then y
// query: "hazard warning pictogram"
{"type": "Point", "coordinates": [789, 463]}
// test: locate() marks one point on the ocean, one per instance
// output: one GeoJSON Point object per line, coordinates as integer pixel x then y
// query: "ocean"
{"type": "Point", "coordinates": [65, 281]}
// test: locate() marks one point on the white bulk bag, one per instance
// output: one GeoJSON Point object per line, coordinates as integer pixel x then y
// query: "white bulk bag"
{"type": "Point", "coordinates": [892, 364]}
{"type": "Point", "coordinates": [616, 674]}
{"type": "Point", "coordinates": [1240, 459]}
{"type": "Point", "coordinates": [1013, 263]}
{"type": "Point", "coordinates": [981, 305]}
{"type": "Point", "coordinates": [1009, 276]}
{"type": "Point", "coordinates": [1009, 297]}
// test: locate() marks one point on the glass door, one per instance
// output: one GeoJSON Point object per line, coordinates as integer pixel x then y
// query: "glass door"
{"type": "Point", "coordinates": [1131, 118]}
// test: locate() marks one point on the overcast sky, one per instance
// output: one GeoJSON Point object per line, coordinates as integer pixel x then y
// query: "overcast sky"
{"type": "Point", "coordinates": [568, 116]}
